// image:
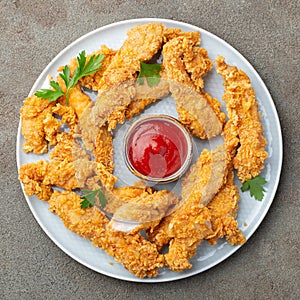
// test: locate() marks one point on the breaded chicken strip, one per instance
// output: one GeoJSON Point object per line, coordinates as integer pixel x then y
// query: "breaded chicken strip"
{"type": "Point", "coordinates": [223, 210]}
{"type": "Point", "coordinates": [104, 150]}
{"type": "Point", "coordinates": [39, 177]}
{"type": "Point", "coordinates": [103, 153]}
{"type": "Point", "coordinates": [44, 173]}
{"type": "Point", "coordinates": [32, 176]}
{"type": "Point", "coordinates": [143, 41]}
{"type": "Point", "coordinates": [188, 234]}
{"type": "Point", "coordinates": [243, 112]}
{"type": "Point", "coordinates": [185, 64]}
{"type": "Point", "coordinates": [143, 211]}
{"type": "Point", "coordinates": [137, 255]}
{"type": "Point", "coordinates": [40, 125]}
{"type": "Point", "coordinates": [36, 114]}
{"type": "Point", "coordinates": [189, 224]}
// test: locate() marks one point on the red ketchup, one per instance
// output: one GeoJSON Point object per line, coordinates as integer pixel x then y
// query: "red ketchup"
{"type": "Point", "coordinates": [157, 147]}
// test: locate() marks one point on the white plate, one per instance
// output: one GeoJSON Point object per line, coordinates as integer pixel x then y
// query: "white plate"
{"type": "Point", "coordinates": [251, 212]}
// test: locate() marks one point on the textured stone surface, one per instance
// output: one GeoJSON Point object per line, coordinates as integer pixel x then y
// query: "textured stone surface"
{"type": "Point", "coordinates": [265, 32]}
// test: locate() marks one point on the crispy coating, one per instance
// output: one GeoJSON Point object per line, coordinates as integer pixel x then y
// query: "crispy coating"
{"type": "Point", "coordinates": [142, 43]}
{"type": "Point", "coordinates": [110, 107]}
{"type": "Point", "coordinates": [67, 114]}
{"type": "Point", "coordinates": [144, 211]}
{"type": "Point", "coordinates": [223, 209]}
{"type": "Point", "coordinates": [197, 64]}
{"type": "Point", "coordinates": [103, 151]}
{"type": "Point", "coordinates": [137, 255]}
{"type": "Point", "coordinates": [40, 126]}
{"type": "Point", "coordinates": [146, 95]}
{"type": "Point", "coordinates": [61, 174]}
{"type": "Point", "coordinates": [35, 117]}
{"type": "Point", "coordinates": [32, 176]}
{"type": "Point", "coordinates": [188, 236]}
{"type": "Point", "coordinates": [172, 33]}
{"type": "Point", "coordinates": [79, 100]}
{"type": "Point", "coordinates": [67, 148]}
{"type": "Point", "coordinates": [210, 124]}
{"type": "Point", "coordinates": [137, 106]}
{"type": "Point", "coordinates": [243, 112]}
{"type": "Point", "coordinates": [184, 65]}
{"type": "Point", "coordinates": [38, 177]}
{"type": "Point", "coordinates": [189, 224]}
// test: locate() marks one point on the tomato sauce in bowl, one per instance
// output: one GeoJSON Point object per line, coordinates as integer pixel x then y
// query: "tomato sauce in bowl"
{"type": "Point", "coordinates": [158, 148]}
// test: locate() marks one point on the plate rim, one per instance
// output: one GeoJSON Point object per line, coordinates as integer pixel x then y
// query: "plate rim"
{"type": "Point", "coordinates": [278, 129]}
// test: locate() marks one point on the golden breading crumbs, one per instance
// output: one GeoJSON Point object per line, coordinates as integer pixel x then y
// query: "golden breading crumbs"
{"type": "Point", "coordinates": [32, 176]}
{"type": "Point", "coordinates": [183, 65]}
{"type": "Point", "coordinates": [242, 109]}
{"type": "Point", "coordinates": [33, 115]}
{"type": "Point", "coordinates": [142, 43]}
{"type": "Point", "coordinates": [137, 255]}
{"type": "Point", "coordinates": [223, 209]}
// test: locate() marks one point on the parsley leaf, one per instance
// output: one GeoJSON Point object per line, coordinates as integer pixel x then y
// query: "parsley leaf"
{"type": "Point", "coordinates": [151, 72]}
{"type": "Point", "coordinates": [255, 187]}
{"type": "Point", "coordinates": [51, 95]}
{"type": "Point", "coordinates": [89, 197]}
{"type": "Point", "coordinates": [83, 69]}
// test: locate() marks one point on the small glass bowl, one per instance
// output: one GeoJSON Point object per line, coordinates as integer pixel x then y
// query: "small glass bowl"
{"type": "Point", "coordinates": [185, 160]}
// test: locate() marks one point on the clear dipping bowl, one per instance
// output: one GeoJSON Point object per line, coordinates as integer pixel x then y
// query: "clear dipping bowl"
{"type": "Point", "coordinates": [158, 148]}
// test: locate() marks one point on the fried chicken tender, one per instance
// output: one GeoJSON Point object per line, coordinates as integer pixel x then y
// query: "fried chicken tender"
{"type": "Point", "coordinates": [210, 125]}
{"type": "Point", "coordinates": [110, 107]}
{"type": "Point", "coordinates": [37, 122]}
{"type": "Point", "coordinates": [189, 224]}
{"type": "Point", "coordinates": [223, 209]}
{"type": "Point", "coordinates": [32, 176]}
{"type": "Point", "coordinates": [136, 254]}
{"type": "Point", "coordinates": [40, 127]}
{"type": "Point", "coordinates": [185, 65]}
{"type": "Point", "coordinates": [243, 112]}
{"type": "Point", "coordinates": [67, 149]}
{"type": "Point", "coordinates": [188, 231]}
{"type": "Point", "coordinates": [197, 64]}
{"type": "Point", "coordinates": [144, 211]}
{"type": "Point", "coordinates": [38, 177]}
{"type": "Point", "coordinates": [142, 43]}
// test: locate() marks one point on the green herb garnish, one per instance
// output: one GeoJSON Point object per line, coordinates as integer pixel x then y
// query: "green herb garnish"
{"type": "Point", "coordinates": [83, 69]}
{"type": "Point", "coordinates": [151, 72]}
{"type": "Point", "coordinates": [255, 187]}
{"type": "Point", "coordinates": [90, 196]}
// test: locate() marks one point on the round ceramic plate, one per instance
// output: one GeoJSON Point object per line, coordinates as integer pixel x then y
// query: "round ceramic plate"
{"type": "Point", "coordinates": [251, 212]}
